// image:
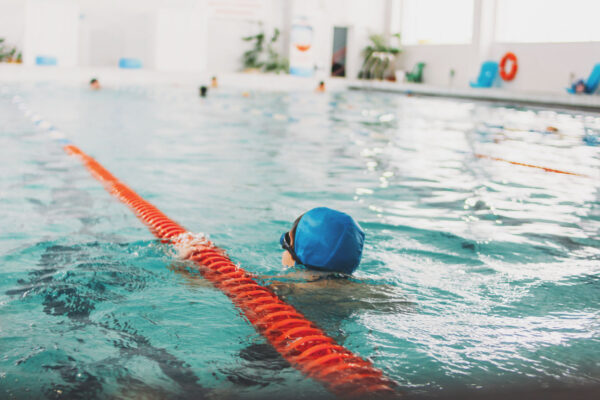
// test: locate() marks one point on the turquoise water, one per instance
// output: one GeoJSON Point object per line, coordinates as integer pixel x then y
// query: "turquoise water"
{"type": "Point", "coordinates": [477, 274]}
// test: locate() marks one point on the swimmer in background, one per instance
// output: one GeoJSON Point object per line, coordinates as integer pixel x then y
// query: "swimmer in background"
{"type": "Point", "coordinates": [94, 84]}
{"type": "Point", "coordinates": [321, 87]}
{"type": "Point", "coordinates": [203, 90]}
{"type": "Point", "coordinates": [213, 82]}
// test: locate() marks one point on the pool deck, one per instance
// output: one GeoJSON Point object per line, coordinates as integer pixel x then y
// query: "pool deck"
{"type": "Point", "coordinates": [555, 100]}
{"type": "Point", "coordinates": [114, 76]}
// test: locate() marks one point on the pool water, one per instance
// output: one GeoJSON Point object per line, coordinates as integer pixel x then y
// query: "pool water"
{"type": "Point", "coordinates": [477, 274]}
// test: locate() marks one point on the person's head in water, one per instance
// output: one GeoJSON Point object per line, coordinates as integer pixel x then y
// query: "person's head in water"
{"type": "Point", "coordinates": [325, 240]}
{"type": "Point", "coordinates": [94, 84]}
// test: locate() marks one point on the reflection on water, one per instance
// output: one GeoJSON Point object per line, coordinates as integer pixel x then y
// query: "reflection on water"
{"type": "Point", "coordinates": [476, 274]}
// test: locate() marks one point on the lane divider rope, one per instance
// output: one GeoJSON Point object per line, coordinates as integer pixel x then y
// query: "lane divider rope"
{"type": "Point", "coordinates": [556, 171]}
{"type": "Point", "coordinates": [298, 340]}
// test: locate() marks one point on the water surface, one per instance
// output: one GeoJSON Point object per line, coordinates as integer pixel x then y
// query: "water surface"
{"type": "Point", "coordinates": [477, 274]}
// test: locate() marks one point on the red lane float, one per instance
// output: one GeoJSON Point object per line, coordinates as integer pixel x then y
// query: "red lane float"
{"type": "Point", "coordinates": [556, 171]}
{"type": "Point", "coordinates": [297, 339]}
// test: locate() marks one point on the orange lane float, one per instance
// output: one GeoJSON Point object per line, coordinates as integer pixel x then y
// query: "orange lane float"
{"type": "Point", "coordinates": [509, 75]}
{"type": "Point", "coordinates": [297, 339]}
{"type": "Point", "coordinates": [557, 171]}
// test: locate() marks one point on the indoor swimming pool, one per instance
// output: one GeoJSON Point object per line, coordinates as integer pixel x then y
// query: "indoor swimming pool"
{"type": "Point", "coordinates": [478, 273]}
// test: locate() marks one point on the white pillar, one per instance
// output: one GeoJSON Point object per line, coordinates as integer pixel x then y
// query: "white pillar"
{"type": "Point", "coordinates": [181, 38]}
{"type": "Point", "coordinates": [387, 20]}
{"type": "Point", "coordinates": [484, 29]}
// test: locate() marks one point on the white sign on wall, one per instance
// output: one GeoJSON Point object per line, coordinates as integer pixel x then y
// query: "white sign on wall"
{"type": "Point", "coordinates": [302, 58]}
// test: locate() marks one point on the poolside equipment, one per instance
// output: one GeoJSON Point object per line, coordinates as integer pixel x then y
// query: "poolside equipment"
{"type": "Point", "coordinates": [45, 60]}
{"type": "Point", "coordinates": [130, 63]}
{"type": "Point", "coordinates": [557, 171]}
{"type": "Point", "coordinates": [509, 75]}
{"type": "Point", "coordinates": [329, 240]}
{"type": "Point", "coordinates": [592, 83]}
{"type": "Point", "coordinates": [591, 140]}
{"type": "Point", "coordinates": [591, 137]}
{"type": "Point", "coordinates": [416, 75]}
{"type": "Point", "coordinates": [487, 75]}
{"type": "Point", "coordinates": [577, 87]}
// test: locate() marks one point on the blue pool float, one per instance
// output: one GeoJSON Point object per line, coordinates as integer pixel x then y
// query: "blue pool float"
{"type": "Point", "coordinates": [487, 75]}
{"type": "Point", "coordinates": [592, 83]}
{"type": "Point", "coordinates": [591, 140]}
{"type": "Point", "coordinates": [45, 60]}
{"type": "Point", "coordinates": [130, 63]}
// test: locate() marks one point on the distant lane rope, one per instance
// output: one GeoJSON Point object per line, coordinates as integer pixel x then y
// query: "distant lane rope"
{"type": "Point", "coordinates": [297, 339]}
{"type": "Point", "coordinates": [556, 171]}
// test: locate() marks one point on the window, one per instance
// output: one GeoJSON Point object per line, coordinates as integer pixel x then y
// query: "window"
{"type": "Point", "coordinates": [437, 21]}
{"type": "Point", "coordinates": [548, 21]}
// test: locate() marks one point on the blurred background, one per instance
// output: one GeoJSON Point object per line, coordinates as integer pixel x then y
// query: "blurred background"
{"type": "Point", "coordinates": [556, 41]}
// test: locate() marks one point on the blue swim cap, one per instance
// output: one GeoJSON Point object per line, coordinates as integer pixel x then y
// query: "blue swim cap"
{"type": "Point", "coordinates": [329, 240]}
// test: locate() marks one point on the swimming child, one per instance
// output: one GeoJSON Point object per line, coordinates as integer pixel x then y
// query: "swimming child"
{"type": "Point", "coordinates": [94, 84]}
{"type": "Point", "coordinates": [324, 239]}
{"type": "Point", "coordinates": [203, 90]}
{"type": "Point", "coordinates": [213, 82]}
{"type": "Point", "coordinates": [329, 243]}
{"type": "Point", "coordinates": [321, 87]}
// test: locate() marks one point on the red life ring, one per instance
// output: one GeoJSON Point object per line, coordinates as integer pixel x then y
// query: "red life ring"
{"type": "Point", "coordinates": [508, 76]}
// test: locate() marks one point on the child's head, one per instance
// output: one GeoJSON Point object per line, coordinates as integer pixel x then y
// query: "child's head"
{"type": "Point", "coordinates": [94, 84]}
{"type": "Point", "coordinates": [324, 239]}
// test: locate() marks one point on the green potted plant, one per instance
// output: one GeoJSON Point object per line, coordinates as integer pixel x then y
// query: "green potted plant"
{"type": "Point", "coordinates": [251, 58]}
{"type": "Point", "coordinates": [275, 62]}
{"type": "Point", "coordinates": [378, 57]}
{"type": "Point", "coordinates": [7, 54]}
{"type": "Point", "coordinates": [263, 57]}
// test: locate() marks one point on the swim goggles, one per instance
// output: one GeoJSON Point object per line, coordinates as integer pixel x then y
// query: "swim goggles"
{"type": "Point", "coordinates": [284, 240]}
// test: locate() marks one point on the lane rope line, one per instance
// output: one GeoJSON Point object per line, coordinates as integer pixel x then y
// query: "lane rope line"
{"type": "Point", "coordinates": [556, 171]}
{"type": "Point", "coordinates": [305, 346]}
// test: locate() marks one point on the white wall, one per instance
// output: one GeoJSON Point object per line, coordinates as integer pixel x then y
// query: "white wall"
{"type": "Point", "coordinates": [439, 60]}
{"type": "Point", "coordinates": [180, 40]}
{"type": "Point", "coordinates": [225, 46]}
{"type": "Point", "coordinates": [205, 36]}
{"type": "Point", "coordinates": [543, 67]}
{"type": "Point", "coordinates": [361, 17]}
{"type": "Point", "coordinates": [12, 26]}
{"type": "Point", "coordinates": [226, 30]}
{"type": "Point", "coordinates": [548, 67]}
{"type": "Point", "coordinates": [51, 29]}
{"type": "Point", "coordinates": [111, 29]}
{"type": "Point", "coordinates": [184, 35]}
